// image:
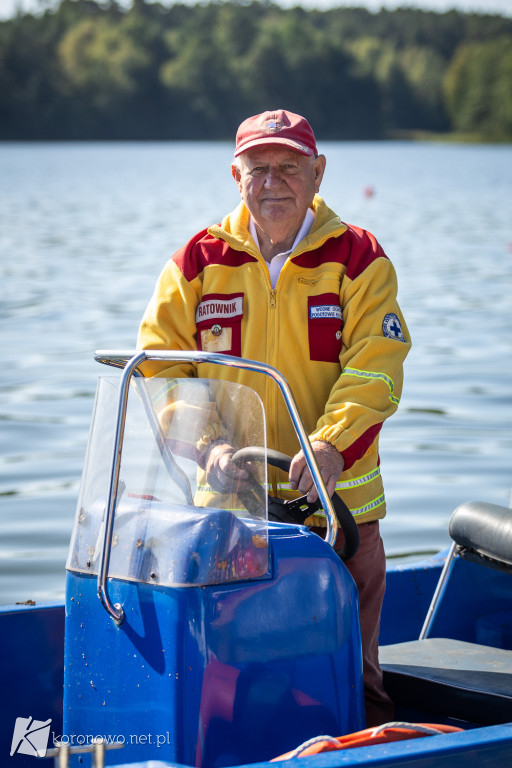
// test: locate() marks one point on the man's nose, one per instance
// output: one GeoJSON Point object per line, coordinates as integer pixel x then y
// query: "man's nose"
{"type": "Point", "coordinates": [273, 176]}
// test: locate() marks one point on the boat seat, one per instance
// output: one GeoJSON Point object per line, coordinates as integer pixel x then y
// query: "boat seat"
{"type": "Point", "coordinates": [451, 678]}
{"type": "Point", "coordinates": [483, 533]}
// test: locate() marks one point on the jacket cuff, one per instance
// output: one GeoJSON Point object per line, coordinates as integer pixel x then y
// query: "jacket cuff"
{"type": "Point", "coordinates": [358, 448]}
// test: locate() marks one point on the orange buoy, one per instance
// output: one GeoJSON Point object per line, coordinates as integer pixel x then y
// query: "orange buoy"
{"type": "Point", "coordinates": [381, 734]}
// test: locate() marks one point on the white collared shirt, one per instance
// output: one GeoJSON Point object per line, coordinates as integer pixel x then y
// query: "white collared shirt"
{"type": "Point", "coordinates": [276, 264]}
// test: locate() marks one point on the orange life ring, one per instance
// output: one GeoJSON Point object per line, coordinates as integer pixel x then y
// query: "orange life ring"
{"type": "Point", "coordinates": [381, 734]}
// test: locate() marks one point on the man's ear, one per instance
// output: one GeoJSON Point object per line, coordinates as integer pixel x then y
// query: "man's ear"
{"type": "Point", "coordinates": [320, 162]}
{"type": "Point", "coordinates": [235, 172]}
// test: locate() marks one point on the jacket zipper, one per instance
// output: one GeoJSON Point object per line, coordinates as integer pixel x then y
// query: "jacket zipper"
{"type": "Point", "coordinates": [272, 387]}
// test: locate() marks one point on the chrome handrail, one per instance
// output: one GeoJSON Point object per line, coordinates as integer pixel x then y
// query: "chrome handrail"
{"type": "Point", "coordinates": [438, 593]}
{"type": "Point", "coordinates": [130, 361]}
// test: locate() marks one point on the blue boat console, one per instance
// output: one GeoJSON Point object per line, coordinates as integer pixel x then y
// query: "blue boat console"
{"type": "Point", "coordinates": [222, 674]}
{"type": "Point", "coordinates": [219, 638]}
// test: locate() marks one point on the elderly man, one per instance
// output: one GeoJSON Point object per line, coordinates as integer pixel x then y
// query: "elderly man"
{"type": "Point", "coordinates": [283, 280]}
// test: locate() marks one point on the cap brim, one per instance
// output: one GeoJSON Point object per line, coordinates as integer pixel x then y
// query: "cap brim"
{"type": "Point", "coordinates": [302, 149]}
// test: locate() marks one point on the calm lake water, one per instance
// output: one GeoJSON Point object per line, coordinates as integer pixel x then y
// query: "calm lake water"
{"type": "Point", "coordinates": [84, 231]}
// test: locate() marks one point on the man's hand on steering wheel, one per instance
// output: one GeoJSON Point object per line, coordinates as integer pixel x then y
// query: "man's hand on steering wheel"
{"type": "Point", "coordinates": [222, 473]}
{"type": "Point", "coordinates": [295, 511]}
{"type": "Point", "coordinates": [330, 462]}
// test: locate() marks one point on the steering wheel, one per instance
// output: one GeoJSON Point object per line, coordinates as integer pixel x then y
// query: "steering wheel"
{"type": "Point", "coordinates": [295, 510]}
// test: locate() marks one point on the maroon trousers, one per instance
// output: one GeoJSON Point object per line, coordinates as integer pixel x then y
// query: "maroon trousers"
{"type": "Point", "coordinates": [368, 569]}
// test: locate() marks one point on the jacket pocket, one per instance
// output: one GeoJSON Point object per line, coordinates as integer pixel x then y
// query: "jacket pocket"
{"type": "Point", "coordinates": [325, 323]}
{"type": "Point", "coordinates": [219, 323]}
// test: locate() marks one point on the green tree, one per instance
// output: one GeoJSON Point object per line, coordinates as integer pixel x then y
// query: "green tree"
{"type": "Point", "coordinates": [478, 89]}
{"type": "Point", "coordinates": [29, 80]}
{"type": "Point", "coordinates": [291, 64]}
{"type": "Point", "coordinates": [86, 69]}
{"type": "Point", "coordinates": [409, 81]}
{"type": "Point", "coordinates": [100, 61]}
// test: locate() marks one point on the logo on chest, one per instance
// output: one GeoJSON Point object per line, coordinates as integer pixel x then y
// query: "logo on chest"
{"type": "Point", "coordinates": [219, 320]}
{"type": "Point", "coordinates": [219, 309]}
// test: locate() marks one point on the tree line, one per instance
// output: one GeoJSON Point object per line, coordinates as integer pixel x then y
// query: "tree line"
{"type": "Point", "coordinates": [95, 70]}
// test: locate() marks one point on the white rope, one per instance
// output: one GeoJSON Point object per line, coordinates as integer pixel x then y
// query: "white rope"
{"type": "Point", "coordinates": [426, 729]}
{"type": "Point", "coordinates": [299, 750]}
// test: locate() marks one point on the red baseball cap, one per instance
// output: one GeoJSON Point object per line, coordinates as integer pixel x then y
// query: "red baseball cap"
{"type": "Point", "coordinates": [276, 127]}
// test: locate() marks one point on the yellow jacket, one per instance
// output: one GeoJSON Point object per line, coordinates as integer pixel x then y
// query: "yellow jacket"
{"type": "Point", "coordinates": [332, 326]}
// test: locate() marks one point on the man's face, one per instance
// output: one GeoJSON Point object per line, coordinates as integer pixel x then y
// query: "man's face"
{"type": "Point", "coordinates": [278, 185]}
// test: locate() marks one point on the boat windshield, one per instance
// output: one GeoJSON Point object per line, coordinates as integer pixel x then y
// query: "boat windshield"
{"type": "Point", "coordinates": [174, 525]}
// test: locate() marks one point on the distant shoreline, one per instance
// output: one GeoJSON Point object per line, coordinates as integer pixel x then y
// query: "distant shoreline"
{"type": "Point", "coordinates": [397, 136]}
{"type": "Point", "coordinates": [97, 71]}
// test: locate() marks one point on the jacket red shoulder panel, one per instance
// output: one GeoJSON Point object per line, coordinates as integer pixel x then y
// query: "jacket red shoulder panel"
{"type": "Point", "coordinates": [355, 248]}
{"type": "Point", "coordinates": [202, 250]}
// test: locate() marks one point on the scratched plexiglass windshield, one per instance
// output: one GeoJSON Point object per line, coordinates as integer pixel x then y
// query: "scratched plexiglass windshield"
{"type": "Point", "coordinates": [175, 523]}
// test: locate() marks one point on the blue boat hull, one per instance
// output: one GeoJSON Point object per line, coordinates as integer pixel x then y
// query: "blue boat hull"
{"type": "Point", "coordinates": [32, 645]}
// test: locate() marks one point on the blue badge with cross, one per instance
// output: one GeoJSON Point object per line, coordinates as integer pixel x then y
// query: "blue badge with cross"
{"type": "Point", "coordinates": [392, 328]}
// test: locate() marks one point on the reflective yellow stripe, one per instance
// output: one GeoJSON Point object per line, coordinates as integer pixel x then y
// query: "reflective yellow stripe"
{"type": "Point", "coordinates": [377, 502]}
{"type": "Point", "coordinates": [344, 484]}
{"type": "Point", "coordinates": [361, 510]}
{"type": "Point", "coordinates": [372, 375]}
{"type": "Point", "coordinates": [368, 507]}
{"type": "Point", "coordinates": [163, 392]}
{"type": "Point", "coordinates": [357, 481]}
{"type": "Point", "coordinates": [209, 489]}
{"type": "Point", "coordinates": [205, 489]}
